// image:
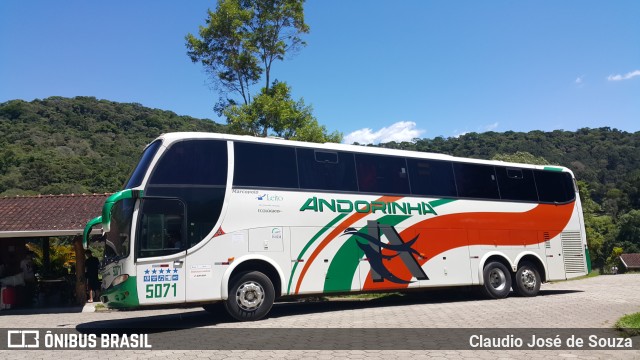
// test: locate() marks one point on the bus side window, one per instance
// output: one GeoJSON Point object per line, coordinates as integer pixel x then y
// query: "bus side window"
{"type": "Point", "coordinates": [554, 186]}
{"type": "Point", "coordinates": [325, 170]}
{"type": "Point", "coordinates": [266, 166]}
{"type": "Point", "coordinates": [476, 181]}
{"type": "Point", "coordinates": [382, 174]}
{"type": "Point", "coordinates": [516, 184]}
{"type": "Point", "coordinates": [431, 177]}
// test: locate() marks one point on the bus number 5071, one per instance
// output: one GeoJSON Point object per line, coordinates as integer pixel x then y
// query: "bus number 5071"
{"type": "Point", "coordinates": [156, 290]}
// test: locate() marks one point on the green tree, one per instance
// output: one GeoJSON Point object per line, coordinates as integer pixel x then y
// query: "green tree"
{"type": "Point", "coordinates": [61, 257]}
{"type": "Point", "coordinates": [614, 258]}
{"type": "Point", "coordinates": [238, 46]}
{"type": "Point", "coordinates": [629, 231]}
{"type": "Point", "coordinates": [601, 233]}
{"type": "Point", "coordinates": [241, 41]}
{"type": "Point", "coordinates": [225, 48]}
{"type": "Point", "coordinates": [522, 157]}
{"type": "Point", "coordinates": [274, 109]}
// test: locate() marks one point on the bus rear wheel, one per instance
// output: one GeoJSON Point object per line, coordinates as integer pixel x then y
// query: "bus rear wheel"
{"type": "Point", "coordinates": [497, 280]}
{"type": "Point", "coordinates": [251, 296]}
{"type": "Point", "coordinates": [527, 280]}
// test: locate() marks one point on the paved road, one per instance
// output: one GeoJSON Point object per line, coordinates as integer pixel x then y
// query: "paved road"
{"type": "Point", "coordinates": [589, 303]}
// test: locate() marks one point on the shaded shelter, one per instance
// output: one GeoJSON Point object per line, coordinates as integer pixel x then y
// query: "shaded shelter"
{"type": "Point", "coordinates": [36, 220]}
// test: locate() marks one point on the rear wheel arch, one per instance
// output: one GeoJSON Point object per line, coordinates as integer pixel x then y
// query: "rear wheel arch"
{"type": "Point", "coordinates": [534, 260]}
{"type": "Point", "coordinates": [494, 257]}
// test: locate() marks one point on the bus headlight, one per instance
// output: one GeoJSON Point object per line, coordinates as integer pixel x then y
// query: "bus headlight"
{"type": "Point", "coordinates": [119, 280]}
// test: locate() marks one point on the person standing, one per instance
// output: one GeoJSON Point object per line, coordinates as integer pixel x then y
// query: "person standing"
{"type": "Point", "coordinates": [28, 273]}
{"type": "Point", "coordinates": [92, 266]}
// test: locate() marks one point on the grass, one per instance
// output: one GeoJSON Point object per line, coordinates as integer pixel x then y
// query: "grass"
{"type": "Point", "coordinates": [629, 324]}
{"type": "Point", "coordinates": [594, 272]}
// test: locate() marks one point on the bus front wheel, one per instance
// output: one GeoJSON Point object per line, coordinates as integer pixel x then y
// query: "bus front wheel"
{"type": "Point", "coordinates": [497, 280]}
{"type": "Point", "coordinates": [527, 280]}
{"type": "Point", "coordinates": [251, 296]}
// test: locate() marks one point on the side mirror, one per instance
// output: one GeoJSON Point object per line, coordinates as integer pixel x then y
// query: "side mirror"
{"type": "Point", "coordinates": [112, 200]}
{"type": "Point", "coordinates": [87, 230]}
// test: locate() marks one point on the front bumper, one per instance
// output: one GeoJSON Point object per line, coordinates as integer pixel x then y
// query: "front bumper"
{"type": "Point", "coordinates": [123, 295]}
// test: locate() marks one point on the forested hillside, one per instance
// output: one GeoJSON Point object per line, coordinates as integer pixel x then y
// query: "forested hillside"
{"type": "Point", "coordinates": [61, 145]}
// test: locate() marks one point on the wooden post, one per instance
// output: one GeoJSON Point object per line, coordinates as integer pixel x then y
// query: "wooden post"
{"type": "Point", "coordinates": [46, 257]}
{"type": "Point", "coordinates": [81, 280]}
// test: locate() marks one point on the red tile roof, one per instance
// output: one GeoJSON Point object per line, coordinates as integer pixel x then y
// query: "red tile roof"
{"type": "Point", "coordinates": [631, 261]}
{"type": "Point", "coordinates": [49, 212]}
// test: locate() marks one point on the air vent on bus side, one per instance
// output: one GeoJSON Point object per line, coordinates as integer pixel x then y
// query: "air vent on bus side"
{"type": "Point", "coordinates": [572, 249]}
{"type": "Point", "coordinates": [547, 240]}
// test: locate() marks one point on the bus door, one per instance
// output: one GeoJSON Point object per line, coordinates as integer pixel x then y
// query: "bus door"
{"type": "Point", "coordinates": [160, 251]}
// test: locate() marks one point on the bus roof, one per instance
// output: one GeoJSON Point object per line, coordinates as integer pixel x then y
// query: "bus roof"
{"type": "Point", "coordinates": [176, 136]}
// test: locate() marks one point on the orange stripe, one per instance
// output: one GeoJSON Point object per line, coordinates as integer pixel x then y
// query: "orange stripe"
{"type": "Point", "coordinates": [335, 233]}
{"type": "Point", "coordinates": [446, 232]}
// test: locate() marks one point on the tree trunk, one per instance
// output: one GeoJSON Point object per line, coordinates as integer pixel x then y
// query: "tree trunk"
{"type": "Point", "coordinates": [81, 281]}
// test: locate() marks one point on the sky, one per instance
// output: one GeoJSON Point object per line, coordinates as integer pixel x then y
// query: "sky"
{"type": "Point", "coordinates": [375, 70]}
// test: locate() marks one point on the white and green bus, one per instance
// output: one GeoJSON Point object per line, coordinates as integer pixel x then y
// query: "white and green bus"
{"type": "Point", "coordinates": [208, 218]}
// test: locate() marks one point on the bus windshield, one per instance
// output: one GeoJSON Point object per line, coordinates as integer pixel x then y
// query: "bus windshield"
{"type": "Point", "coordinates": [138, 174]}
{"type": "Point", "coordinates": [118, 237]}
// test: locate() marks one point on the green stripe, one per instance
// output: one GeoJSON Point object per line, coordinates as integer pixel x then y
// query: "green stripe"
{"type": "Point", "coordinates": [87, 230]}
{"type": "Point", "coordinates": [112, 200]}
{"type": "Point", "coordinates": [306, 247]}
{"type": "Point", "coordinates": [551, 168]}
{"type": "Point", "coordinates": [345, 262]}
{"type": "Point", "coordinates": [439, 202]}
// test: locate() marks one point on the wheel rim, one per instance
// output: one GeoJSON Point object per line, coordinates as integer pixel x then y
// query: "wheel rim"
{"type": "Point", "coordinates": [250, 295]}
{"type": "Point", "coordinates": [528, 279]}
{"type": "Point", "coordinates": [497, 279]}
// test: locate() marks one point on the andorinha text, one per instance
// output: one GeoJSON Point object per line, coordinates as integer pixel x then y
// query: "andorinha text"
{"type": "Point", "coordinates": [363, 206]}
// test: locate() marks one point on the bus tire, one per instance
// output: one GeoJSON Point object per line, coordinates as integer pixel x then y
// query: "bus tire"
{"type": "Point", "coordinates": [527, 280]}
{"type": "Point", "coordinates": [251, 296]}
{"type": "Point", "coordinates": [497, 280]}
